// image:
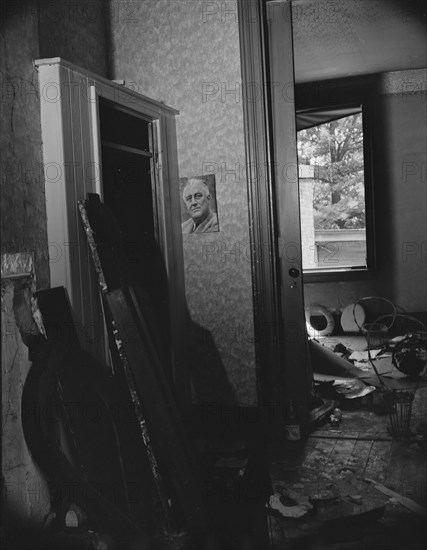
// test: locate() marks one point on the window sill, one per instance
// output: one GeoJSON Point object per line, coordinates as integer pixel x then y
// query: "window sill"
{"type": "Point", "coordinates": [332, 276]}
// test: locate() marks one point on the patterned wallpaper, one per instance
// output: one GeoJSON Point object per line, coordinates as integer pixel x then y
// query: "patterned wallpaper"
{"type": "Point", "coordinates": [186, 54]}
{"type": "Point", "coordinates": [23, 207]}
{"type": "Point", "coordinates": [75, 30]}
{"type": "Point", "coordinates": [31, 30]}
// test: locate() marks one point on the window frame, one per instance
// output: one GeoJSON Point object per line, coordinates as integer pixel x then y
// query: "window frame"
{"type": "Point", "coordinates": [347, 94]}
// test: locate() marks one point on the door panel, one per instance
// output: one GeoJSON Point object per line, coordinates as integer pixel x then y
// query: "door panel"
{"type": "Point", "coordinates": [296, 373]}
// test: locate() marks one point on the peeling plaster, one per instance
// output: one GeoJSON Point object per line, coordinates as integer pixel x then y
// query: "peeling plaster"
{"type": "Point", "coordinates": [25, 490]}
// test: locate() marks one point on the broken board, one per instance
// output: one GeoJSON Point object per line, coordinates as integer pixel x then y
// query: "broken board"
{"type": "Point", "coordinates": [167, 444]}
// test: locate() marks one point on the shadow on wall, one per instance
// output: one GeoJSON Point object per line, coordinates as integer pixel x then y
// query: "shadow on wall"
{"type": "Point", "coordinates": [144, 270]}
{"type": "Point", "coordinates": [209, 378]}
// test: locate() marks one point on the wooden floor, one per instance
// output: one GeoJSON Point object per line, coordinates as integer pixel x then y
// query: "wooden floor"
{"type": "Point", "coordinates": [331, 470]}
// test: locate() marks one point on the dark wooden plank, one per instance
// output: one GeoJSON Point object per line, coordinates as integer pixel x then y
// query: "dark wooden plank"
{"type": "Point", "coordinates": [337, 463]}
{"type": "Point", "coordinates": [159, 406]}
{"type": "Point", "coordinates": [342, 458]}
{"type": "Point", "coordinates": [290, 465]}
{"type": "Point", "coordinates": [377, 463]}
{"type": "Point", "coordinates": [58, 320]}
{"type": "Point", "coordinates": [162, 491]}
{"type": "Point", "coordinates": [326, 476]}
{"type": "Point", "coordinates": [406, 471]}
{"type": "Point", "coordinates": [408, 503]}
{"type": "Point", "coordinates": [154, 402]}
{"type": "Point", "coordinates": [361, 453]}
{"type": "Point", "coordinates": [162, 381]}
{"type": "Point", "coordinates": [320, 458]}
{"type": "Point", "coordinates": [66, 380]}
{"type": "Point", "coordinates": [138, 407]}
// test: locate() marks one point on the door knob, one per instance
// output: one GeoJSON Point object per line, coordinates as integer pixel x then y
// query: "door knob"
{"type": "Point", "coordinates": [294, 272]}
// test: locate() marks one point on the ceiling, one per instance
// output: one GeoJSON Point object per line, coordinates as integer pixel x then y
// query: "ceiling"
{"type": "Point", "coordinates": [342, 38]}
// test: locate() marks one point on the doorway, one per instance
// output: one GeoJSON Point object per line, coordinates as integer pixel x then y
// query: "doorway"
{"type": "Point", "coordinates": [127, 159]}
{"type": "Point", "coordinates": [283, 361]}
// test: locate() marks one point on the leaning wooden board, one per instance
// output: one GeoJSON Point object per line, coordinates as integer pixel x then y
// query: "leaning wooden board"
{"type": "Point", "coordinates": [159, 405]}
{"type": "Point", "coordinates": [154, 402]}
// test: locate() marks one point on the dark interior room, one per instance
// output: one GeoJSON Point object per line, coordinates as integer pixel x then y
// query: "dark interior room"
{"type": "Point", "coordinates": [262, 384]}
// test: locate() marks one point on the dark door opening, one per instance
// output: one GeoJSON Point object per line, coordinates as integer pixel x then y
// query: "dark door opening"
{"type": "Point", "coordinates": [128, 191]}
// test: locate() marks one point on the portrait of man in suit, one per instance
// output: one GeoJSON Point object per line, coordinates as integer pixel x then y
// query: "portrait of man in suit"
{"type": "Point", "coordinates": [198, 197]}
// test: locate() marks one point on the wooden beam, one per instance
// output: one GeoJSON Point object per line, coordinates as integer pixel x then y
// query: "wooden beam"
{"type": "Point", "coordinates": [266, 291]}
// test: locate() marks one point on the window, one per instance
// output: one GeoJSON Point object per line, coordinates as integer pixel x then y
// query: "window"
{"type": "Point", "coordinates": [333, 191]}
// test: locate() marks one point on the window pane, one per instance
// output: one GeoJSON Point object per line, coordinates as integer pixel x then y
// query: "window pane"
{"type": "Point", "coordinates": [332, 195]}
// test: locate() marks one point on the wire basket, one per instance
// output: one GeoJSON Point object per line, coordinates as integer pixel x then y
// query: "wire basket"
{"type": "Point", "coordinates": [376, 334]}
{"type": "Point", "coordinates": [399, 407]}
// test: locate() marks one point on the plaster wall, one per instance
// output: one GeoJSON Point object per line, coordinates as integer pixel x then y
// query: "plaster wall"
{"type": "Point", "coordinates": [30, 30]}
{"type": "Point", "coordinates": [186, 54]}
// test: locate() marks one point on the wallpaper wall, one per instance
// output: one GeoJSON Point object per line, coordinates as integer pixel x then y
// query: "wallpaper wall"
{"type": "Point", "coordinates": [186, 54]}
{"type": "Point", "coordinates": [30, 30]}
{"type": "Point", "coordinates": [75, 31]}
{"type": "Point", "coordinates": [23, 219]}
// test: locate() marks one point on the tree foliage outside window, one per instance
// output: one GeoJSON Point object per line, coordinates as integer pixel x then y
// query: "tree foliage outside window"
{"type": "Point", "coordinates": [336, 148]}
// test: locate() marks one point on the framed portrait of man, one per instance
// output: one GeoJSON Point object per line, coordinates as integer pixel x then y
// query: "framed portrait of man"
{"type": "Point", "coordinates": [198, 204]}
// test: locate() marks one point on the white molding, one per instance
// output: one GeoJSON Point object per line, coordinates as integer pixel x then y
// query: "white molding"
{"type": "Point", "coordinates": [117, 89]}
{"type": "Point", "coordinates": [69, 98]}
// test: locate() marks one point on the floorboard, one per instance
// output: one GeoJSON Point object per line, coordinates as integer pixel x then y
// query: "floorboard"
{"type": "Point", "coordinates": [331, 470]}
